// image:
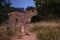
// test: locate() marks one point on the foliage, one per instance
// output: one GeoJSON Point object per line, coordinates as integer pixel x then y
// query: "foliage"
{"type": "Point", "coordinates": [48, 9]}
{"type": "Point", "coordinates": [29, 8]}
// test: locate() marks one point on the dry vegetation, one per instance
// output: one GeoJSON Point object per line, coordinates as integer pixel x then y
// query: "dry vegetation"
{"type": "Point", "coordinates": [4, 33]}
{"type": "Point", "coordinates": [7, 33]}
{"type": "Point", "coordinates": [46, 32]}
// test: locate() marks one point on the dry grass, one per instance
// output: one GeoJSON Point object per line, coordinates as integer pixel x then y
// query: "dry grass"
{"type": "Point", "coordinates": [7, 33]}
{"type": "Point", "coordinates": [46, 32]}
{"type": "Point", "coordinates": [42, 32]}
{"type": "Point", "coordinates": [4, 34]}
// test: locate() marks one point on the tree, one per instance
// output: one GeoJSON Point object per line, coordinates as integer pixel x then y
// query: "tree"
{"type": "Point", "coordinates": [48, 8]}
{"type": "Point", "coordinates": [4, 9]}
{"type": "Point", "coordinates": [30, 7]}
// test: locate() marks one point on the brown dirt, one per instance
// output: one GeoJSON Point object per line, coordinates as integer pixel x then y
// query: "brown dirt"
{"type": "Point", "coordinates": [32, 36]}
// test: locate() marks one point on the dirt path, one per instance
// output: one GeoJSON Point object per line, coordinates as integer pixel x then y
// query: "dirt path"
{"type": "Point", "coordinates": [22, 36]}
{"type": "Point", "coordinates": [32, 36]}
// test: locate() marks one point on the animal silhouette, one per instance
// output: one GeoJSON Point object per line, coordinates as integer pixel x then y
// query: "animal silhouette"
{"type": "Point", "coordinates": [21, 19]}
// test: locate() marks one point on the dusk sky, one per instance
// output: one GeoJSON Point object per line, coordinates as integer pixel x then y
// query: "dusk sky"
{"type": "Point", "coordinates": [22, 3]}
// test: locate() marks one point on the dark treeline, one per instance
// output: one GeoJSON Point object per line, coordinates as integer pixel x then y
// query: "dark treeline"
{"type": "Point", "coordinates": [48, 9]}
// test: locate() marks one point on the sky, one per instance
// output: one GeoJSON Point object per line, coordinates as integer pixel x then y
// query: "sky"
{"type": "Point", "coordinates": [22, 3]}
